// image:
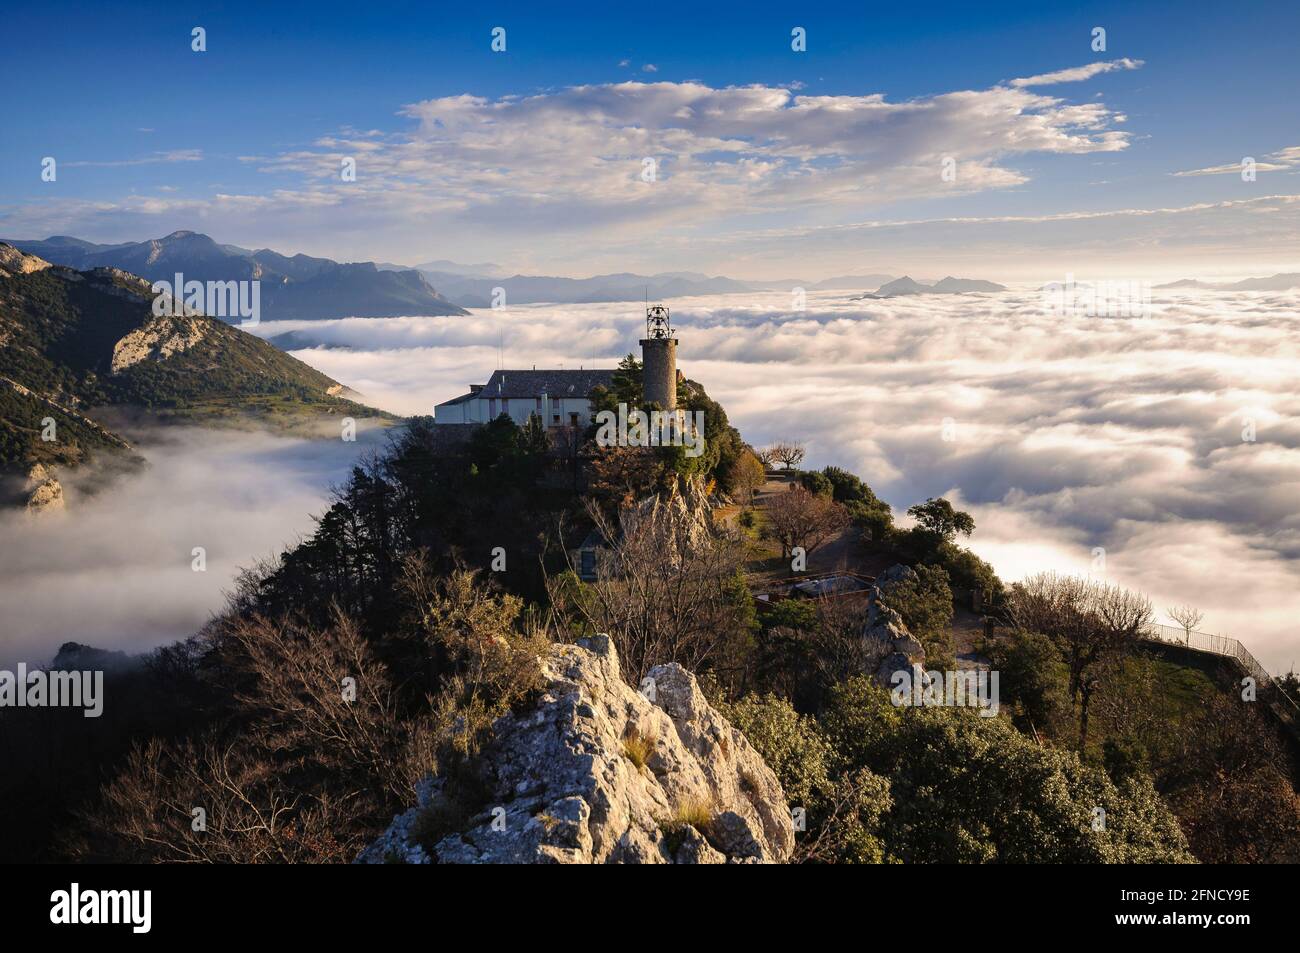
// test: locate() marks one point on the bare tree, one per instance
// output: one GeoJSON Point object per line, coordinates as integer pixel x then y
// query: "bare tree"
{"type": "Point", "coordinates": [1095, 625]}
{"type": "Point", "coordinates": [799, 517]}
{"type": "Point", "coordinates": [1188, 617]}
{"type": "Point", "coordinates": [319, 761]}
{"type": "Point", "coordinates": [249, 814]}
{"type": "Point", "coordinates": [788, 453]}
{"type": "Point", "coordinates": [665, 587]}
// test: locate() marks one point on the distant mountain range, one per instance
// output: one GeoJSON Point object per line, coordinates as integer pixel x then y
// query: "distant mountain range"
{"type": "Point", "coordinates": [949, 285]}
{"type": "Point", "coordinates": [292, 287]}
{"type": "Point", "coordinates": [75, 341]}
{"type": "Point", "coordinates": [442, 266]}
{"type": "Point", "coordinates": [477, 290]}
{"type": "Point", "coordinates": [1279, 282]}
{"type": "Point", "coordinates": [303, 287]}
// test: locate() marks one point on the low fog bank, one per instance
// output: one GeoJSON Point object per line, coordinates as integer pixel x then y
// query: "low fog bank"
{"type": "Point", "coordinates": [1068, 433]}
{"type": "Point", "coordinates": [114, 569]}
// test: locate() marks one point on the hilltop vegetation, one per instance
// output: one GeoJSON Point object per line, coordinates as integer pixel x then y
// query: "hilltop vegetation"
{"type": "Point", "coordinates": [441, 571]}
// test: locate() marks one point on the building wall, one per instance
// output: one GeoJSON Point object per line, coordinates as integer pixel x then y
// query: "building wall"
{"type": "Point", "coordinates": [450, 414]}
{"type": "Point", "coordinates": [483, 409]}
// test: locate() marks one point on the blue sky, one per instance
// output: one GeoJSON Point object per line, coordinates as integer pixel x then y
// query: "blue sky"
{"type": "Point", "coordinates": [243, 140]}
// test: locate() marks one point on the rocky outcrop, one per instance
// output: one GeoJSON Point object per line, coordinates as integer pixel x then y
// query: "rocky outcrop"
{"type": "Point", "coordinates": [892, 646]}
{"type": "Point", "coordinates": [75, 657]}
{"type": "Point", "coordinates": [599, 772]}
{"type": "Point", "coordinates": [158, 340]}
{"type": "Point", "coordinates": [672, 524]}
{"type": "Point", "coordinates": [14, 262]}
{"type": "Point", "coordinates": [44, 491]}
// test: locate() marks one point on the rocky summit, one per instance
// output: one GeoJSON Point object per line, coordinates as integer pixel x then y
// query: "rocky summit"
{"type": "Point", "coordinates": [600, 772]}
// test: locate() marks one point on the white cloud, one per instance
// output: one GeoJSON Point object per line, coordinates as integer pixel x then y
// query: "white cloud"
{"type": "Point", "coordinates": [114, 571]}
{"type": "Point", "coordinates": [1077, 74]}
{"type": "Point", "coordinates": [499, 172]}
{"type": "Point", "coordinates": [1279, 161]}
{"type": "Point", "coordinates": [156, 158]}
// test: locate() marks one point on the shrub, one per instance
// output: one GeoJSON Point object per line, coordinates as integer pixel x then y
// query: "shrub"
{"type": "Point", "coordinates": [971, 789]}
{"type": "Point", "coordinates": [791, 614]}
{"type": "Point", "coordinates": [842, 808]}
{"type": "Point", "coordinates": [815, 482]}
{"type": "Point", "coordinates": [1032, 680]}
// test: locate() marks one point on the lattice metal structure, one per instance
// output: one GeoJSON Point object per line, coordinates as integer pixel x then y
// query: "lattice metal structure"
{"type": "Point", "coordinates": [657, 323]}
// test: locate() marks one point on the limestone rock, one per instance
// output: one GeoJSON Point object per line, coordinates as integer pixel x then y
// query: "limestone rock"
{"type": "Point", "coordinates": [15, 262]}
{"type": "Point", "coordinates": [680, 521]}
{"type": "Point", "coordinates": [894, 647]}
{"type": "Point", "coordinates": [160, 338]}
{"type": "Point", "coordinates": [598, 772]}
{"type": "Point", "coordinates": [894, 574]}
{"type": "Point", "coordinates": [44, 492]}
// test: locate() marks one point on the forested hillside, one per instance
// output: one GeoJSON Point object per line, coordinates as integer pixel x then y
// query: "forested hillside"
{"type": "Point", "coordinates": [77, 341]}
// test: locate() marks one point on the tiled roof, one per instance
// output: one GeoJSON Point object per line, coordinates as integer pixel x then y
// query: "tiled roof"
{"type": "Point", "coordinates": [565, 383]}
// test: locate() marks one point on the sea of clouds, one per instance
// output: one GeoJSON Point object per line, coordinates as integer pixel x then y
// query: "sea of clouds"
{"type": "Point", "coordinates": [116, 569]}
{"type": "Point", "coordinates": [1064, 434]}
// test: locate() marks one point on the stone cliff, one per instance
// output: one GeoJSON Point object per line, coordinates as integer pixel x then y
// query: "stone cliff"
{"type": "Point", "coordinates": [600, 772]}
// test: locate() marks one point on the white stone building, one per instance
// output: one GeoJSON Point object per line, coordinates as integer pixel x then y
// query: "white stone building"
{"type": "Point", "coordinates": [559, 397]}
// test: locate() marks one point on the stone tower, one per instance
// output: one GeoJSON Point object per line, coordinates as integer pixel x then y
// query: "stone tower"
{"type": "Point", "coordinates": [659, 359]}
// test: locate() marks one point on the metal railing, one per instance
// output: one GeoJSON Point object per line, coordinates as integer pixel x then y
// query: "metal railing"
{"type": "Point", "coordinates": [1224, 645]}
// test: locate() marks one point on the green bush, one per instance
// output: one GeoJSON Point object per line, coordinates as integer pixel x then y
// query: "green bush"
{"type": "Point", "coordinates": [815, 482]}
{"type": "Point", "coordinates": [1032, 680]}
{"type": "Point", "coordinates": [969, 789]}
{"type": "Point", "coordinates": [842, 807]}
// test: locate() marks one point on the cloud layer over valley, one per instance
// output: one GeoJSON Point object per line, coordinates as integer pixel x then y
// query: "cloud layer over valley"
{"type": "Point", "coordinates": [115, 570]}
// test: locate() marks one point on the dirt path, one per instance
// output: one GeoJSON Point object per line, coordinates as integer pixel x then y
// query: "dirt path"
{"type": "Point", "coordinates": [848, 551]}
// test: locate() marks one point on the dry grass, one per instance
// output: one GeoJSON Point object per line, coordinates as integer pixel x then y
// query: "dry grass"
{"type": "Point", "coordinates": [693, 812]}
{"type": "Point", "coordinates": [637, 748]}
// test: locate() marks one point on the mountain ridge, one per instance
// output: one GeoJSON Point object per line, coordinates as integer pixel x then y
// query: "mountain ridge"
{"type": "Point", "coordinates": [74, 341]}
{"type": "Point", "coordinates": [946, 285]}
{"type": "Point", "coordinates": [293, 287]}
{"type": "Point", "coordinates": [1282, 281]}
{"type": "Point", "coordinates": [476, 291]}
